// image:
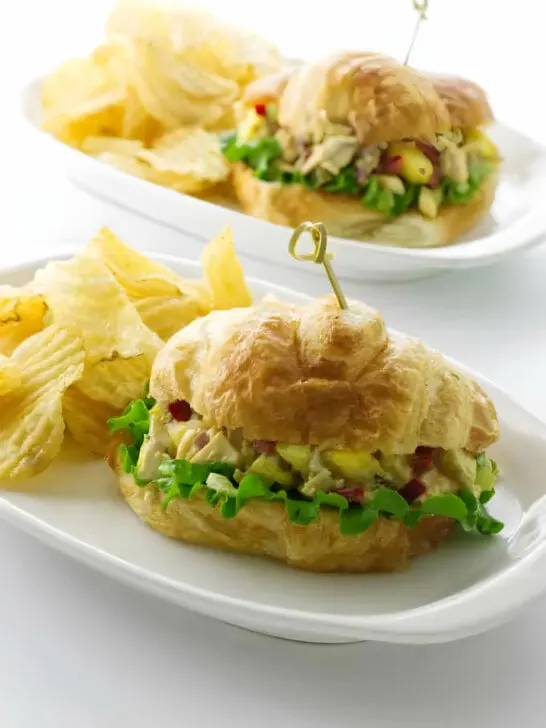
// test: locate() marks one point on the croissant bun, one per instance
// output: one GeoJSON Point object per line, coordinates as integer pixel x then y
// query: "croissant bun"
{"type": "Point", "coordinates": [312, 374]}
{"type": "Point", "coordinates": [319, 375]}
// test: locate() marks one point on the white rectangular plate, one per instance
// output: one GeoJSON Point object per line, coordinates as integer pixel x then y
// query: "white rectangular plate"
{"type": "Point", "coordinates": [517, 220]}
{"type": "Point", "coordinates": [466, 586]}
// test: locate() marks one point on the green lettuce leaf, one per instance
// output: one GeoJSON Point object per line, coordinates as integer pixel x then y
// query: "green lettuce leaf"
{"type": "Point", "coordinates": [357, 519]}
{"type": "Point", "coordinates": [135, 419]}
{"type": "Point", "coordinates": [389, 501]}
{"type": "Point", "coordinates": [187, 473]}
{"type": "Point", "coordinates": [346, 182]}
{"type": "Point", "coordinates": [445, 505]}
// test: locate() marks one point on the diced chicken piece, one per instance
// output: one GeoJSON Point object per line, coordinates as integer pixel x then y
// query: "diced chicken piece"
{"type": "Point", "coordinates": [332, 155]}
{"type": "Point", "coordinates": [323, 128]}
{"type": "Point", "coordinates": [286, 141]}
{"type": "Point", "coordinates": [219, 449]}
{"type": "Point", "coordinates": [454, 164]}
{"type": "Point", "coordinates": [368, 159]}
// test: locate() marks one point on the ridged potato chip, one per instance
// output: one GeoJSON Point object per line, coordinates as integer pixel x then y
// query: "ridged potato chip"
{"type": "Point", "coordinates": [22, 313]}
{"type": "Point", "coordinates": [136, 274]}
{"type": "Point", "coordinates": [188, 159]}
{"type": "Point", "coordinates": [164, 301]}
{"type": "Point", "coordinates": [224, 273]}
{"type": "Point", "coordinates": [162, 68]}
{"type": "Point", "coordinates": [83, 294]}
{"type": "Point", "coordinates": [83, 97]}
{"type": "Point", "coordinates": [116, 381]}
{"type": "Point", "coordinates": [124, 164]}
{"type": "Point", "coordinates": [10, 377]}
{"type": "Point", "coordinates": [86, 421]}
{"type": "Point", "coordinates": [166, 315]}
{"type": "Point", "coordinates": [94, 145]}
{"type": "Point", "coordinates": [31, 419]}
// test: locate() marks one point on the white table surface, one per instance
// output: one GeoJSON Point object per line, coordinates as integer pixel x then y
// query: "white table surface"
{"type": "Point", "coordinates": [78, 649]}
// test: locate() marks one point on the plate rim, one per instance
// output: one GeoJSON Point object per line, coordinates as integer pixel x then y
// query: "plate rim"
{"type": "Point", "coordinates": [396, 623]}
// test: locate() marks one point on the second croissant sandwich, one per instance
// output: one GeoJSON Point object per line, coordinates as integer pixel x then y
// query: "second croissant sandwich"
{"type": "Point", "coordinates": [376, 150]}
{"type": "Point", "coordinates": [311, 435]}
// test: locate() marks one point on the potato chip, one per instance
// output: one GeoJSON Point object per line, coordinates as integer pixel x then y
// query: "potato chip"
{"type": "Point", "coordinates": [86, 421]}
{"type": "Point", "coordinates": [141, 277]}
{"type": "Point", "coordinates": [124, 164]}
{"type": "Point", "coordinates": [188, 158]}
{"type": "Point", "coordinates": [166, 315]}
{"type": "Point", "coordinates": [83, 294]}
{"type": "Point", "coordinates": [74, 131]}
{"type": "Point", "coordinates": [94, 145]}
{"type": "Point", "coordinates": [224, 274]}
{"type": "Point", "coordinates": [162, 68]}
{"type": "Point", "coordinates": [83, 97]}
{"type": "Point", "coordinates": [22, 313]}
{"type": "Point", "coordinates": [138, 275]}
{"type": "Point", "coordinates": [116, 381]}
{"type": "Point", "coordinates": [211, 43]}
{"type": "Point", "coordinates": [31, 421]}
{"type": "Point", "coordinates": [137, 123]}
{"type": "Point", "coordinates": [10, 377]}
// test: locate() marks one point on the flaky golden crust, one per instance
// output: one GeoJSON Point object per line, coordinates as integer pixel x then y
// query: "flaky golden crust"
{"type": "Point", "coordinates": [318, 375]}
{"type": "Point", "coordinates": [344, 215]}
{"type": "Point", "coordinates": [378, 96]}
{"type": "Point", "coordinates": [262, 528]}
{"type": "Point", "coordinates": [466, 102]}
{"type": "Point", "coordinates": [381, 98]}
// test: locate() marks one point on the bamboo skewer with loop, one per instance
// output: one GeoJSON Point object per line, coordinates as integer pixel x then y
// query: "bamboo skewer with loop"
{"type": "Point", "coordinates": [421, 6]}
{"type": "Point", "coordinates": [319, 255]}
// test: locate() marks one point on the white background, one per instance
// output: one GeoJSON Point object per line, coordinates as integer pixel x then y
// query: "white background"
{"type": "Point", "coordinates": [78, 650]}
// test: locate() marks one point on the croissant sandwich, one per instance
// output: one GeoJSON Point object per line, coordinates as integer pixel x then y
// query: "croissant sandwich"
{"type": "Point", "coordinates": [308, 434]}
{"type": "Point", "coordinates": [376, 150]}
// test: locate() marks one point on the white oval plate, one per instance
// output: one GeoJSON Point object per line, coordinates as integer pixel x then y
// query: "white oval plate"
{"type": "Point", "coordinates": [517, 220]}
{"type": "Point", "coordinates": [465, 587]}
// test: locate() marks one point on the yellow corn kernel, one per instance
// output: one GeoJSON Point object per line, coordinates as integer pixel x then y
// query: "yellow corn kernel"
{"type": "Point", "coordinates": [391, 182]}
{"type": "Point", "coordinates": [416, 167]}
{"type": "Point", "coordinates": [482, 144]}
{"type": "Point", "coordinates": [429, 201]}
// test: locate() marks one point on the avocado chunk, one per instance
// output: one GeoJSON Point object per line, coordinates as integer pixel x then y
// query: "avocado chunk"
{"type": "Point", "coordinates": [356, 465]}
{"type": "Point", "coordinates": [459, 466]}
{"type": "Point", "coordinates": [218, 450]}
{"type": "Point", "coordinates": [323, 480]}
{"type": "Point", "coordinates": [486, 473]}
{"type": "Point", "coordinates": [176, 431]}
{"type": "Point", "coordinates": [297, 456]}
{"type": "Point", "coordinates": [269, 467]}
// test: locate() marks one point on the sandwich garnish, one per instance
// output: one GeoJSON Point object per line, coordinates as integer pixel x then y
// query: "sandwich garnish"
{"type": "Point", "coordinates": [421, 6]}
{"type": "Point", "coordinates": [319, 255]}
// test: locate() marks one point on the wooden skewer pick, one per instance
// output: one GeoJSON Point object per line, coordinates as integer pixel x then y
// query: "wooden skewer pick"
{"type": "Point", "coordinates": [319, 255]}
{"type": "Point", "coordinates": [421, 6]}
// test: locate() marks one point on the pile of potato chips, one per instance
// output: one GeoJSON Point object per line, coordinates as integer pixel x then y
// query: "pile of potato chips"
{"type": "Point", "coordinates": [150, 99]}
{"type": "Point", "coordinates": [77, 343]}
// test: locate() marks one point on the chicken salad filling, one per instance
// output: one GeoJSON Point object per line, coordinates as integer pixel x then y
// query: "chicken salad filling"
{"type": "Point", "coordinates": [174, 451]}
{"type": "Point", "coordinates": [423, 174]}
